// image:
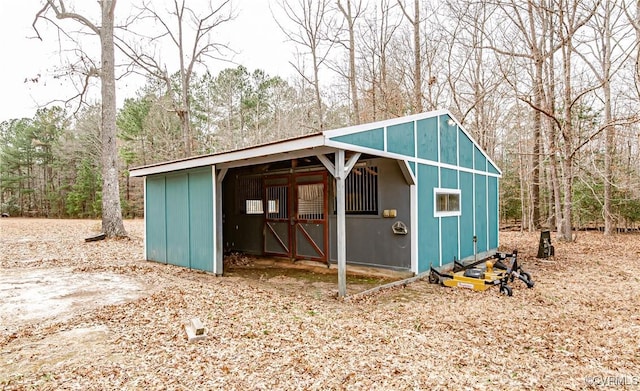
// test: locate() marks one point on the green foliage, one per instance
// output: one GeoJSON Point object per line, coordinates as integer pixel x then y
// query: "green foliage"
{"type": "Point", "coordinates": [27, 159]}
{"type": "Point", "coordinates": [510, 202]}
{"type": "Point", "coordinates": [588, 198]}
{"type": "Point", "coordinates": [85, 197]}
{"type": "Point", "coordinates": [131, 125]}
{"type": "Point", "coordinates": [626, 207]}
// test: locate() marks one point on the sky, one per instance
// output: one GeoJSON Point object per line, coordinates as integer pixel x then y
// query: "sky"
{"type": "Point", "coordinates": [253, 34]}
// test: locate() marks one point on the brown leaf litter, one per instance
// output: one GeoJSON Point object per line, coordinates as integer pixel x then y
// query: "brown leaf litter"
{"type": "Point", "coordinates": [121, 323]}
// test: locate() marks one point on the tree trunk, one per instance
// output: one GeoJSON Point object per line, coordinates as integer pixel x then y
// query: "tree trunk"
{"type": "Point", "coordinates": [521, 176]}
{"type": "Point", "coordinates": [567, 133]}
{"type": "Point", "coordinates": [353, 86]}
{"type": "Point", "coordinates": [112, 224]}
{"type": "Point", "coordinates": [183, 106]}
{"type": "Point", "coordinates": [567, 185]}
{"type": "Point", "coordinates": [537, 131]}
{"type": "Point", "coordinates": [316, 88]}
{"type": "Point", "coordinates": [609, 130]}
{"type": "Point", "coordinates": [417, 70]}
{"type": "Point", "coordinates": [557, 208]}
{"type": "Point", "coordinates": [556, 220]}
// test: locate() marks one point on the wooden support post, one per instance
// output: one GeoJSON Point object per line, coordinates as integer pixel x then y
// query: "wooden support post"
{"type": "Point", "coordinates": [413, 197]}
{"type": "Point", "coordinates": [144, 195]}
{"type": "Point", "coordinates": [216, 179]}
{"type": "Point", "coordinates": [341, 223]}
{"type": "Point", "coordinates": [217, 207]}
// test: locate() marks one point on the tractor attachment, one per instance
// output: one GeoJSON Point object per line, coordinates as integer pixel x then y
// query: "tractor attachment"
{"type": "Point", "coordinates": [500, 272]}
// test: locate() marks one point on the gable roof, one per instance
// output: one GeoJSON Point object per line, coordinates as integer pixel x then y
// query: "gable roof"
{"type": "Point", "coordinates": [307, 145]}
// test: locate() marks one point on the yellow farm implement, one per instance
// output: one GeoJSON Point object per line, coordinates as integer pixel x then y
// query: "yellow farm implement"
{"type": "Point", "coordinates": [483, 274]}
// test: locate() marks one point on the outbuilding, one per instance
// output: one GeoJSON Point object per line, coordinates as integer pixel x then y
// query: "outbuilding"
{"type": "Point", "coordinates": [402, 194]}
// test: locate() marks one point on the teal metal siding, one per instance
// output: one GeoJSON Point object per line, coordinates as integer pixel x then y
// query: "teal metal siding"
{"type": "Point", "coordinates": [177, 190]}
{"type": "Point", "coordinates": [400, 139]}
{"type": "Point", "coordinates": [492, 169]}
{"type": "Point", "coordinates": [493, 212]}
{"type": "Point", "coordinates": [427, 136]}
{"type": "Point", "coordinates": [448, 141]}
{"type": "Point", "coordinates": [481, 211]}
{"type": "Point", "coordinates": [466, 151]}
{"type": "Point", "coordinates": [449, 238]}
{"type": "Point", "coordinates": [179, 219]}
{"type": "Point", "coordinates": [466, 218]}
{"type": "Point", "coordinates": [428, 226]}
{"type": "Point", "coordinates": [480, 160]}
{"type": "Point", "coordinates": [448, 178]}
{"type": "Point", "coordinates": [155, 219]}
{"type": "Point", "coordinates": [201, 220]}
{"type": "Point", "coordinates": [370, 139]}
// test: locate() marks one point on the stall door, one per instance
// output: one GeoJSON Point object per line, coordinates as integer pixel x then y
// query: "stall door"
{"type": "Point", "coordinates": [277, 235]}
{"type": "Point", "coordinates": [310, 228]}
{"type": "Point", "coordinates": [296, 219]}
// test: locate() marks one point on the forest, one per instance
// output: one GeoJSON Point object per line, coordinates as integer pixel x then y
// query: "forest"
{"type": "Point", "coordinates": [549, 88]}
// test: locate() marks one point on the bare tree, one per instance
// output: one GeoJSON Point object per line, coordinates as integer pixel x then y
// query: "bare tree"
{"type": "Point", "coordinates": [351, 13]}
{"type": "Point", "coordinates": [417, 53]}
{"type": "Point", "coordinates": [603, 30]}
{"type": "Point", "coordinates": [310, 32]}
{"type": "Point", "coordinates": [190, 33]}
{"type": "Point", "coordinates": [528, 22]}
{"type": "Point", "coordinates": [381, 98]}
{"type": "Point", "coordinates": [112, 224]}
{"type": "Point", "coordinates": [477, 93]}
{"type": "Point", "coordinates": [572, 17]}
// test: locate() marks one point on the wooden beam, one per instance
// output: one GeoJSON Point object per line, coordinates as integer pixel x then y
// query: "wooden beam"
{"type": "Point", "coordinates": [341, 224]}
{"type": "Point", "coordinates": [144, 235]}
{"type": "Point", "coordinates": [327, 163]}
{"type": "Point", "coordinates": [413, 230]}
{"type": "Point", "coordinates": [409, 177]}
{"type": "Point", "coordinates": [217, 220]}
{"type": "Point", "coordinates": [352, 162]}
{"type": "Point", "coordinates": [221, 174]}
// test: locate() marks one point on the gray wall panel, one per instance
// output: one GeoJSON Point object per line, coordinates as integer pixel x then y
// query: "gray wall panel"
{"type": "Point", "coordinates": [370, 240]}
{"type": "Point", "coordinates": [241, 232]}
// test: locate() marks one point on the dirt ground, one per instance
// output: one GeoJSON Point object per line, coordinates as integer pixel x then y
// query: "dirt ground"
{"type": "Point", "coordinates": [76, 315]}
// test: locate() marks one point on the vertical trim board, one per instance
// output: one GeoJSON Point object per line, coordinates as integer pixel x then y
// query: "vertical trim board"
{"type": "Point", "coordinates": [428, 242]}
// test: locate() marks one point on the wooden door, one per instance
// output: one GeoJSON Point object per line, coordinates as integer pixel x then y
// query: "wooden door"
{"type": "Point", "coordinates": [310, 222]}
{"type": "Point", "coordinates": [296, 223]}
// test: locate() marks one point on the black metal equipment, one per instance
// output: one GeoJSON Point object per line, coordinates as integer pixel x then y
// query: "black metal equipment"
{"type": "Point", "coordinates": [545, 248]}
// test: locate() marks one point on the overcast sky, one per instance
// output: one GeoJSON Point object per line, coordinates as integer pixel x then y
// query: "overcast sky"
{"type": "Point", "coordinates": [253, 34]}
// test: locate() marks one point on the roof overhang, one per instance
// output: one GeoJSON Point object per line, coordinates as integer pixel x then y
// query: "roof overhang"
{"type": "Point", "coordinates": [288, 149]}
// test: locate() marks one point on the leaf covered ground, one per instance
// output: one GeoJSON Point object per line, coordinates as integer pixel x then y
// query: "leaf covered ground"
{"type": "Point", "coordinates": [284, 329]}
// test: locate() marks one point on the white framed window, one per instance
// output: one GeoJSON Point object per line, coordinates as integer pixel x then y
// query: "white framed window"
{"type": "Point", "coordinates": [446, 202]}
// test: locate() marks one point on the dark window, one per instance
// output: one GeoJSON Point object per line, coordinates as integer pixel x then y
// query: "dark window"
{"type": "Point", "coordinates": [311, 201]}
{"type": "Point", "coordinates": [249, 195]}
{"type": "Point", "coordinates": [361, 188]}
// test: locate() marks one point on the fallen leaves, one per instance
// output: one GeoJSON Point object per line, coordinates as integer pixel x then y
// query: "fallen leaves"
{"type": "Point", "coordinates": [270, 329]}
